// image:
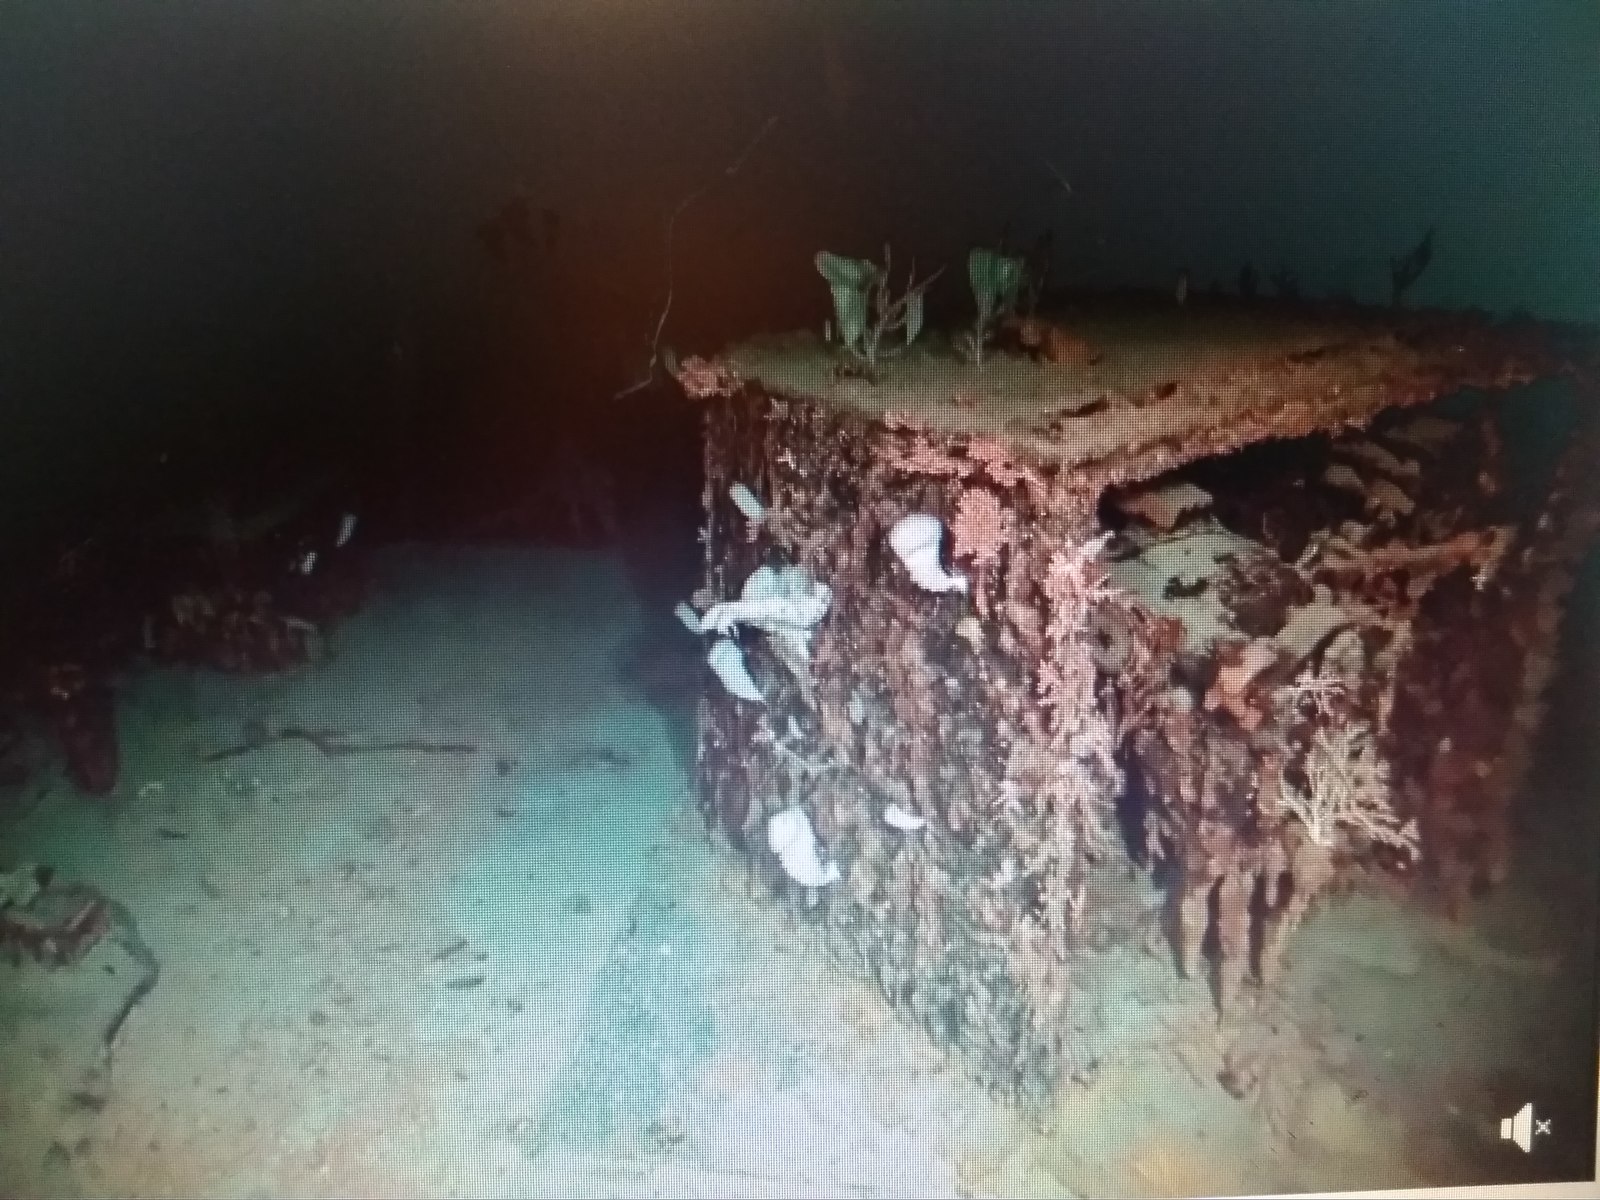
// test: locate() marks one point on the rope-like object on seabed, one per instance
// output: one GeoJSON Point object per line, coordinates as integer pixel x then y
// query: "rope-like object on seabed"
{"type": "Point", "coordinates": [332, 743]}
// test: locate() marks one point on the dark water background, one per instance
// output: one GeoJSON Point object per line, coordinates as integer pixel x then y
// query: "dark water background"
{"type": "Point", "coordinates": [218, 221]}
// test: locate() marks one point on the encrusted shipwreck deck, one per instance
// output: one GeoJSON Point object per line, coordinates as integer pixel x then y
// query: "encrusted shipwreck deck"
{"type": "Point", "coordinates": [1252, 596]}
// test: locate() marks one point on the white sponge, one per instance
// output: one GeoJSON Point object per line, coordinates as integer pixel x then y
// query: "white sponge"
{"type": "Point", "coordinates": [789, 836]}
{"type": "Point", "coordinates": [916, 540]}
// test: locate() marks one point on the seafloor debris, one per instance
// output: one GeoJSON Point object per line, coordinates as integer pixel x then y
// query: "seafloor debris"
{"type": "Point", "coordinates": [1244, 597]}
{"type": "Point", "coordinates": [230, 629]}
{"type": "Point", "coordinates": [56, 924]}
{"type": "Point", "coordinates": [48, 924]}
{"type": "Point", "coordinates": [80, 712]}
{"type": "Point", "coordinates": [221, 593]}
{"type": "Point", "coordinates": [1048, 341]}
{"type": "Point", "coordinates": [331, 743]}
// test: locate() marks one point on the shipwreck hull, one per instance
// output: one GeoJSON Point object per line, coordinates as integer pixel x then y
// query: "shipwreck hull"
{"type": "Point", "coordinates": [1241, 599]}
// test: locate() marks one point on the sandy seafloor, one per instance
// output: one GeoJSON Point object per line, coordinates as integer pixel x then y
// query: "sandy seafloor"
{"type": "Point", "coordinates": [405, 974]}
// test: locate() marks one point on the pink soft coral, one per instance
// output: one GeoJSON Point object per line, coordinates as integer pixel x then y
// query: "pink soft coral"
{"type": "Point", "coordinates": [981, 526]}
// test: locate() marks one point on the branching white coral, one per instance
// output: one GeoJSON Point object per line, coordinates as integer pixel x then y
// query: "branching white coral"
{"type": "Point", "coordinates": [1079, 773]}
{"type": "Point", "coordinates": [1321, 689]}
{"type": "Point", "coordinates": [1348, 786]}
{"type": "Point", "coordinates": [1077, 578]}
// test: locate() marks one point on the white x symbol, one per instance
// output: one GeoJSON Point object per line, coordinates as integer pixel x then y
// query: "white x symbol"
{"type": "Point", "coordinates": [1541, 1126]}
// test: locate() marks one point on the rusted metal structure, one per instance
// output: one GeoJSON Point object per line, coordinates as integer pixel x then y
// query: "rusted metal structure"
{"type": "Point", "coordinates": [1253, 594]}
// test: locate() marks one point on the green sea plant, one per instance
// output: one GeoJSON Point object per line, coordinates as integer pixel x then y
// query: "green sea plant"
{"type": "Point", "coordinates": [867, 312]}
{"type": "Point", "coordinates": [997, 281]}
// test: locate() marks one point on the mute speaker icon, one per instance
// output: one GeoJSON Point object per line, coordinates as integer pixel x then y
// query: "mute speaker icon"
{"type": "Point", "coordinates": [1520, 1128]}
